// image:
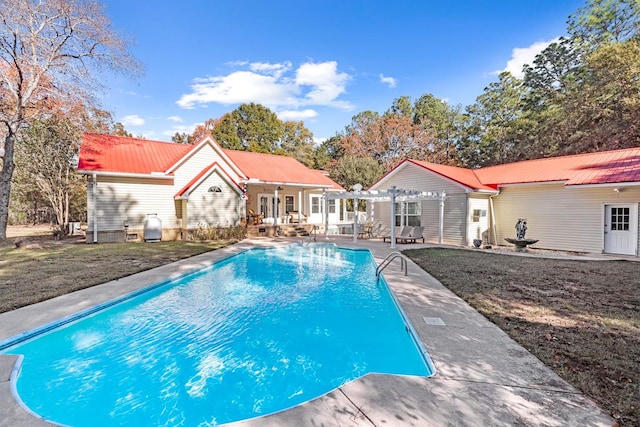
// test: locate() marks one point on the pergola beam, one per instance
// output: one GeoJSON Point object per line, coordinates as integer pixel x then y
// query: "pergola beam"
{"type": "Point", "coordinates": [393, 195]}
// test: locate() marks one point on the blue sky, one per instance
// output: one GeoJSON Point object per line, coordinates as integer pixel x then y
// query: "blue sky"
{"type": "Point", "coordinates": [319, 61]}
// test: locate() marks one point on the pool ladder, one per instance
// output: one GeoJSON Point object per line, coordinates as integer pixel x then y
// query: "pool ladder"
{"type": "Point", "coordinates": [385, 263]}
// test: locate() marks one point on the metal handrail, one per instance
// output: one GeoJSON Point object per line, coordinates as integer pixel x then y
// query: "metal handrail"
{"type": "Point", "coordinates": [385, 263]}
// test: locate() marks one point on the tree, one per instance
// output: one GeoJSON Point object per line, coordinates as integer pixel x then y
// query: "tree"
{"type": "Point", "coordinates": [182, 138]}
{"type": "Point", "coordinates": [297, 142]}
{"type": "Point", "coordinates": [250, 127]}
{"type": "Point", "coordinates": [494, 123]}
{"type": "Point", "coordinates": [443, 121]}
{"type": "Point", "coordinates": [49, 50]}
{"type": "Point", "coordinates": [401, 107]}
{"type": "Point", "coordinates": [605, 21]}
{"type": "Point", "coordinates": [203, 130]}
{"type": "Point", "coordinates": [327, 153]}
{"type": "Point", "coordinates": [388, 139]}
{"type": "Point", "coordinates": [47, 154]}
{"type": "Point", "coordinates": [119, 130]}
{"type": "Point", "coordinates": [351, 170]}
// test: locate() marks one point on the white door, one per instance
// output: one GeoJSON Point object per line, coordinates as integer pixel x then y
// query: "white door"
{"type": "Point", "coordinates": [620, 229]}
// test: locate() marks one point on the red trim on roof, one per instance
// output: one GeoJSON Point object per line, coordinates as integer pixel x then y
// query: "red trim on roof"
{"type": "Point", "coordinates": [206, 172]}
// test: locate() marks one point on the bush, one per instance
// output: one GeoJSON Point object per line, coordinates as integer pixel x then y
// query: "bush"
{"type": "Point", "coordinates": [217, 232]}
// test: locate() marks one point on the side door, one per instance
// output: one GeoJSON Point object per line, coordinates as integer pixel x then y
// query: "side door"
{"type": "Point", "coordinates": [620, 229]}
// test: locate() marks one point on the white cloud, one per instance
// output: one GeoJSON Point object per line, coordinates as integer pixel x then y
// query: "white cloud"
{"type": "Point", "coordinates": [132, 120]}
{"type": "Point", "coordinates": [297, 115]}
{"type": "Point", "coordinates": [188, 129]}
{"type": "Point", "coordinates": [175, 119]}
{"type": "Point", "coordinates": [390, 81]}
{"type": "Point", "coordinates": [272, 85]}
{"type": "Point", "coordinates": [524, 55]}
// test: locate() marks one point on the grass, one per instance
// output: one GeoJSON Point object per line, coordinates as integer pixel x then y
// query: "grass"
{"type": "Point", "coordinates": [581, 318]}
{"type": "Point", "coordinates": [42, 268]}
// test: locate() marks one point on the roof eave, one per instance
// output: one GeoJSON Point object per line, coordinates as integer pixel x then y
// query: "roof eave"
{"type": "Point", "coordinates": [152, 175]}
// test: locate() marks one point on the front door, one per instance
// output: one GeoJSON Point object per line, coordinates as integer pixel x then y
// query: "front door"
{"type": "Point", "coordinates": [620, 229]}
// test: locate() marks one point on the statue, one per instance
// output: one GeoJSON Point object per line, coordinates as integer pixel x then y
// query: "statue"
{"type": "Point", "coordinates": [521, 228]}
{"type": "Point", "coordinates": [520, 242]}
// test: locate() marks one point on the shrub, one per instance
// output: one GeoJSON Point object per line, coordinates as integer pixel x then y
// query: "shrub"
{"type": "Point", "coordinates": [217, 232]}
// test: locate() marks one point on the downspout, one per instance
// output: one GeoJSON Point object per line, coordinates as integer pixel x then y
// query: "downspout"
{"type": "Point", "coordinates": [493, 218]}
{"type": "Point", "coordinates": [94, 195]}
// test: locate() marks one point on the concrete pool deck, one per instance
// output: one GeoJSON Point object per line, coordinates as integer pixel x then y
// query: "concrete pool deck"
{"type": "Point", "coordinates": [484, 378]}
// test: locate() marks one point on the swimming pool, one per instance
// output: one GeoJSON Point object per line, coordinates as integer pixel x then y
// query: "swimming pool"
{"type": "Point", "coordinates": [254, 334]}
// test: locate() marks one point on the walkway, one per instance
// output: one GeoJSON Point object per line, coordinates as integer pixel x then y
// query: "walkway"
{"type": "Point", "coordinates": [483, 377]}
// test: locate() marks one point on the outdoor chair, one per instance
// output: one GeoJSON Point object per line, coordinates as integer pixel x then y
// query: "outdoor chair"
{"type": "Point", "coordinates": [254, 218]}
{"type": "Point", "coordinates": [404, 233]}
{"type": "Point", "coordinates": [294, 218]}
{"type": "Point", "coordinates": [414, 235]}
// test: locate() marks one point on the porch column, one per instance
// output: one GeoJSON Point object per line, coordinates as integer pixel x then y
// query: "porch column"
{"type": "Point", "coordinates": [392, 190]}
{"type": "Point", "coordinates": [355, 219]}
{"type": "Point", "coordinates": [326, 216]}
{"type": "Point", "coordinates": [275, 210]}
{"type": "Point", "coordinates": [299, 206]}
{"type": "Point", "coordinates": [441, 231]}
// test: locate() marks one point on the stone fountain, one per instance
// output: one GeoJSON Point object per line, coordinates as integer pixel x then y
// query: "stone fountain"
{"type": "Point", "coordinates": [520, 242]}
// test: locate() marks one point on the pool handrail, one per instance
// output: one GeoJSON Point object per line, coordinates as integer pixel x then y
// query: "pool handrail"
{"type": "Point", "coordinates": [385, 263]}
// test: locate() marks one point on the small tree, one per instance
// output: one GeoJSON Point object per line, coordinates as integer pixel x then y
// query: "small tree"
{"type": "Point", "coordinates": [47, 154]}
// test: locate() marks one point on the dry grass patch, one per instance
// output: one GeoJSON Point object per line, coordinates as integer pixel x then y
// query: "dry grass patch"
{"type": "Point", "coordinates": [581, 318]}
{"type": "Point", "coordinates": [42, 268]}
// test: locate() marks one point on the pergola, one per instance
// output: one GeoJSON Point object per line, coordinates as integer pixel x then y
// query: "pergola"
{"type": "Point", "coordinates": [393, 195]}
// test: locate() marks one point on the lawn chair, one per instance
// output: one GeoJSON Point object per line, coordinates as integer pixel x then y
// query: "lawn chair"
{"type": "Point", "coordinates": [404, 233]}
{"type": "Point", "coordinates": [414, 235]}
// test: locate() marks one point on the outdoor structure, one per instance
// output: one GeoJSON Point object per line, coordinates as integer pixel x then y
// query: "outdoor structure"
{"type": "Point", "coordinates": [183, 187]}
{"type": "Point", "coordinates": [581, 203]}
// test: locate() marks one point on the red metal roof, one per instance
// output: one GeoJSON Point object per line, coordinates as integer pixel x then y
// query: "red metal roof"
{"type": "Point", "coordinates": [606, 167]}
{"type": "Point", "coordinates": [276, 169]}
{"type": "Point", "coordinates": [466, 177]}
{"type": "Point", "coordinates": [118, 154]}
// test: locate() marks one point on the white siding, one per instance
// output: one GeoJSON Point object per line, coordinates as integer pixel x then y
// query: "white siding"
{"type": "Point", "coordinates": [412, 177]}
{"type": "Point", "coordinates": [196, 163]}
{"type": "Point", "coordinates": [561, 218]}
{"type": "Point", "coordinates": [214, 209]}
{"type": "Point", "coordinates": [123, 201]}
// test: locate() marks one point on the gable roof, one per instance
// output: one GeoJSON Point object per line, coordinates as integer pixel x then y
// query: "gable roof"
{"type": "Point", "coordinates": [466, 177]}
{"type": "Point", "coordinates": [605, 167]}
{"type": "Point", "coordinates": [203, 175]}
{"type": "Point", "coordinates": [107, 154]}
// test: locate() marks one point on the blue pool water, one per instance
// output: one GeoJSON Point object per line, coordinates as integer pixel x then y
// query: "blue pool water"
{"type": "Point", "coordinates": [254, 334]}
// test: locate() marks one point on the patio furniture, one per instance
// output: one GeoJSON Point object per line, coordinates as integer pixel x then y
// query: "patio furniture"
{"type": "Point", "coordinates": [254, 218]}
{"type": "Point", "coordinates": [296, 218]}
{"type": "Point", "coordinates": [403, 234]}
{"type": "Point", "coordinates": [414, 235]}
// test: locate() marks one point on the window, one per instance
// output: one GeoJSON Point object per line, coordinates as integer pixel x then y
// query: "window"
{"type": "Point", "coordinates": [411, 214]}
{"type": "Point", "coordinates": [288, 202]}
{"type": "Point", "coordinates": [215, 189]}
{"type": "Point", "coordinates": [479, 213]}
{"type": "Point", "coordinates": [620, 219]}
{"type": "Point", "coordinates": [331, 206]}
{"type": "Point", "coordinates": [316, 204]}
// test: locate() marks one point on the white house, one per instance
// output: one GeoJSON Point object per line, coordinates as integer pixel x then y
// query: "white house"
{"type": "Point", "coordinates": [132, 181]}
{"type": "Point", "coordinates": [581, 203]}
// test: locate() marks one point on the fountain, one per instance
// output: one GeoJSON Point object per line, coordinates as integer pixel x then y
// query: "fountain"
{"type": "Point", "coordinates": [520, 242]}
